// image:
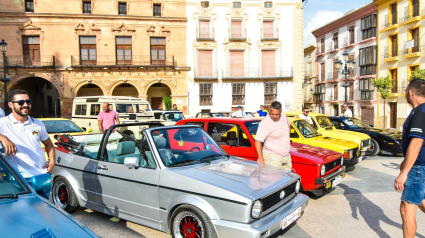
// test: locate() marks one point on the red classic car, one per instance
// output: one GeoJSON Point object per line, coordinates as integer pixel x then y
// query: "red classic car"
{"type": "Point", "coordinates": [320, 169]}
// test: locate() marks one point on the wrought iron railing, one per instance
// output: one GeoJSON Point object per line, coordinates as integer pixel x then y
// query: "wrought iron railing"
{"type": "Point", "coordinates": [29, 61]}
{"type": "Point", "coordinates": [415, 49]}
{"type": "Point", "coordinates": [243, 73]}
{"type": "Point", "coordinates": [390, 52]}
{"type": "Point", "coordinates": [205, 33]}
{"type": "Point", "coordinates": [110, 60]}
{"type": "Point", "coordinates": [329, 76]}
{"type": "Point", "coordinates": [237, 34]}
{"type": "Point", "coordinates": [207, 73]}
{"type": "Point", "coordinates": [269, 34]}
{"type": "Point", "coordinates": [410, 13]}
{"type": "Point", "coordinates": [335, 75]}
{"type": "Point", "coordinates": [344, 42]}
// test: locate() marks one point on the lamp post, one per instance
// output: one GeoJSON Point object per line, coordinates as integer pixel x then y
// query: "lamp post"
{"type": "Point", "coordinates": [3, 46]}
{"type": "Point", "coordinates": [345, 70]}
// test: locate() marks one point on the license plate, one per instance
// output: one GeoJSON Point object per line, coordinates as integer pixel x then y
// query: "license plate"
{"type": "Point", "coordinates": [336, 181]}
{"type": "Point", "coordinates": [365, 148]}
{"type": "Point", "coordinates": [291, 218]}
{"type": "Point", "coordinates": [360, 159]}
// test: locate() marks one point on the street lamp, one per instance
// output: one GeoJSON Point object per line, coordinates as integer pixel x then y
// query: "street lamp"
{"type": "Point", "coordinates": [345, 70]}
{"type": "Point", "coordinates": [3, 46]}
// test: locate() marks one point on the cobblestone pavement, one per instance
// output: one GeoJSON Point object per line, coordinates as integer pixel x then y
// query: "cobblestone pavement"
{"type": "Point", "coordinates": [365, 204]}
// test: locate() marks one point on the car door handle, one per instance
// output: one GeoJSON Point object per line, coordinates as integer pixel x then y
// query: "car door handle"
{"type": "Point", "coordinates": [103, 167]}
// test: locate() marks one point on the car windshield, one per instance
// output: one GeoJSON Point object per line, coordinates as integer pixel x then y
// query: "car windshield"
{"type": "Point", "coordinates": [184, 146]}
{"type": "Point", "coordinates": [355, 123]}
{"type": "Point", "coordinates": [306, 130]}
{"type": "Point", "coordinates": [132, 108]}
{"type": "Point", "coordinates": [324, 122]}
{"type": "Point", "coordinates": [252, 127]}
{"type": "Point", "coordinates": [61, 126]}
{"type": "Point", "coordinates": [217, 114]}
{"type": "Point", "coordinates": [173, 116]}
{"type": "Point", "coordinates": [10, 183]}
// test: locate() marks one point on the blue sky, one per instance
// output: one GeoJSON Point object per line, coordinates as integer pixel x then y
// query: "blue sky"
{"type": "Point", "coordinates": [319, 12]}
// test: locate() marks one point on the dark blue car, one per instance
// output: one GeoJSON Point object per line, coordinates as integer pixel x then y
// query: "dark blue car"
{"type": "Point", "coordinates": [23, 213]}
{"type": "Point", "coordinates": [388, 140]}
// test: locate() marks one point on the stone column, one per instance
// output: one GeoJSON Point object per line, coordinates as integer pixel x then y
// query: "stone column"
{"type": "Point", "coordinates": [298, 57]}
{"type": "Point", "coordinates": [66, 107]}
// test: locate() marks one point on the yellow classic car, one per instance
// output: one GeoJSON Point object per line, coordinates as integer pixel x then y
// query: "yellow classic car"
{"type": "Point", "coordinates": [326, 129]}
{"type": "Point", "coordinates": [303, 133]}
{"type": "Point", "coordinates": [61, 126]}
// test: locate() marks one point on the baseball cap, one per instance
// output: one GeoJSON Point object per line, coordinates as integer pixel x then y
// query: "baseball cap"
{"type": "Point", "coordinates": [239, 107]}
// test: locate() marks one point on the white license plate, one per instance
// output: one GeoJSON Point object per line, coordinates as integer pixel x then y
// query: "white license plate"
{"type": "Point", "coordinates": [360, 159]}
{"type": "Point", "coordinates": [365, 148]}
{"type": "Point", "coordinates": [291, 218]}
{"type": "Point", "coordinates": [336, 181]}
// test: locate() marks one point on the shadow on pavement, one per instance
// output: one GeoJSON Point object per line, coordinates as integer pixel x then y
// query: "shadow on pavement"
{"type": "Point", "coordinates": [392, 165]}
{"type": "Point", "coordinates": [366, 209]}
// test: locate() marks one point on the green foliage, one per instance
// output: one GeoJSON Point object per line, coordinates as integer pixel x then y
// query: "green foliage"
{"type": "Point", "coordinates": [418, 73]}
{"type": "Point", "coordinates": [383, 85]}
{"type": "Point", "coordinates": [167, 102]}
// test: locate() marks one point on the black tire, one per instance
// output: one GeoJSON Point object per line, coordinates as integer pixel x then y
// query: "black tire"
{"type": "Point", "coordinates": [186, 214]}
{"type": "Point", "coordinates": [64, 196]}
{"type": "Point", "coordinates": [374, 150]}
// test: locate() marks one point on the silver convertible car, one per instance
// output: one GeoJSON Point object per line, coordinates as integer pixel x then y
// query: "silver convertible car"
{"type": "Point", "coordinates": [175, 179]}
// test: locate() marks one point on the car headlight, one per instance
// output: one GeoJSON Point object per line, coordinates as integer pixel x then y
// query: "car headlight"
{"type": "Point", "coordinates": [342, 161]}
{"type": "Point", "coordinates": [297, 187]}
{"type": "Point", "coordinates": [257, 208]}
{"type": "Point", "coordinates": [322, 170]}
{"type": "Point", "coordinates": [348, 154]}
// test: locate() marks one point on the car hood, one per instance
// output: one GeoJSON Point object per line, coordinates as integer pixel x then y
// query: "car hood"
{"type": "Point", "coordinates": [236, 176]}
{"type": "Point", "coordinates": [396, 134]}
{"type": "Point", "coordinates": [333, 144]}
{"type": "Point", "coordinates": [353, 133]}
{"type": "Point", "coordinates": [29, 214]}
{"type": "Point", "coordinates": [307, 154]}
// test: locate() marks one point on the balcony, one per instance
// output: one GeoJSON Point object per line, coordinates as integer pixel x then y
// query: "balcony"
{"type": "Point", "coordinates": [344, 42]}
{"type": "Point", "coordinates": [388, 24]}
{"type": "Point", "coordinates": [206, 74]}
{"type": "Point", "coordinates": [331, 47]}
{"type": "Point", "coordinates": [270, 34]}
{"type": "Point", "coordinates": [253, 73]}
{"type": "Point", "coordinates": [205, 34]}
{"type": "Point", "coordinates": [414, 51]}
{"type": "Point", "coordinates": [308, 74]}
{"type": "Point", "coordinates": [27, 61]}
{"type": "Point", "coordinates": [410, 16]}
{"type": "Point", "coordinates": [333, 97]}
{"type": "Point", "coordinates": [237, 34]}
{"type": "Point", "coordinates": [366, 95]}
{"type": "Point", "coordinates": [111, 60]}
{"type": "Point", "coordinates": [321, 49]}
{"type": "Point", "coordinates": [329, 76]}
{"type": "Point", "coordinates": [322, 77]}
{"type": "Point", "coordinates": [391, 54]}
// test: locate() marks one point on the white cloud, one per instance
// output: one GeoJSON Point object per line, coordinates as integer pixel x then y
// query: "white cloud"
{"type": "Point", "coordinates": [319, 19]}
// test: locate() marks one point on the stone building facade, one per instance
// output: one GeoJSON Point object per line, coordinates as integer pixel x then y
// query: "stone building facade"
{"type": "Point", "coordinates": [58, 50]}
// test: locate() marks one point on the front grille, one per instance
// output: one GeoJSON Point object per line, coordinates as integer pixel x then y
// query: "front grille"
{"type": "Point", "coordinates": [355, 152]}
{"type": "Point", "coordinates": [332, 164]}
{"type": "Point", "coordinates": [365, 143]}
{"type": "Point", "coordinates": [274, 198]}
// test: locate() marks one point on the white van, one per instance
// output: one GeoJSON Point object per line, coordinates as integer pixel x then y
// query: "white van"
{"type": "Point", "coordinates": [129, 109]}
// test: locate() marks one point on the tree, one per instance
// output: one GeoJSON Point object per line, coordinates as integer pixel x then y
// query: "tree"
{"type": "Point", "coordinates": [384, 86]}
{"type": "Point", "coordinates": [418, 73]}
{"type": "Point", "coordinates": [167, 102]}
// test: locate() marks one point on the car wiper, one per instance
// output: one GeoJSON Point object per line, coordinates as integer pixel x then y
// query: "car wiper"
{"type": "Point", "coordinates": [14, 196]}
{"type": "Point", "coordinates": [181, 162]}
{"type": "Point", "coordinates": [214, 155]}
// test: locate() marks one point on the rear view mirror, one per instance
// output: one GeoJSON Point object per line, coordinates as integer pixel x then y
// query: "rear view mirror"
{"type": "Point", "coordinates": [130, 161]}
{"type": "Point", "coordinates": [41, 181]}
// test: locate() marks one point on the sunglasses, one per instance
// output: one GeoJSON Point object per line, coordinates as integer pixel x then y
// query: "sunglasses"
{"type": "Point", "coordinates": [22, 102]}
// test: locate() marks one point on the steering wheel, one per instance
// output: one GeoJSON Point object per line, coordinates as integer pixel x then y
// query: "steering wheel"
{"type": "Point", "coordinates": [196, 147]}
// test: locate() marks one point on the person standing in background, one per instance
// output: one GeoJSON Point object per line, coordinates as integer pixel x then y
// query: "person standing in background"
{"type": "Point", "coordinates": [306, 117]}
{"type": "Point", "coordinates": [107, 118]}
{"type": "Point", "coordinates": [262, 112]}
{"type": "Point", "coordinates": [239, 113]}
{"type": "Point", "coordinates": [347, 111]}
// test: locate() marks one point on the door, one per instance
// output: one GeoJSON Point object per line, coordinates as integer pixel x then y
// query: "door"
{"type": "Point", "coordinates": [393, 114]}
{"type": "Point", "coordinates": [158, 54]}
{"type": "Point", "coordinates": [156, 102]}
{"type": "Point", "coordinates": [367, 114]}
{"type": "Point", "coordinates": [234, 139]}
{"type": "Point", "coordinates": [336, 110]}
{"type": "Point", "coordinates": [31, 49]}
{"type": "Point", "coordinates": [126, 190]}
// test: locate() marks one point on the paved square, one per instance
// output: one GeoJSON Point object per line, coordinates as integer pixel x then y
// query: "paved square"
{"type": "Point", "coordinates": [365, 204]}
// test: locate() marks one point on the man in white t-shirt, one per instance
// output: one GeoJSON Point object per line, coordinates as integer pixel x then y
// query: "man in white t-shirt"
{"type": "Point", "coordinates": [239, 113]}
{"type": "Point", "coordinates": [347, 111]}
{"type": "Point", "coordinates": [306, 117]}
{"type": "Point", "coordinates": [1, 113]}
{"type": "Point", "coordinates": [21, 134]}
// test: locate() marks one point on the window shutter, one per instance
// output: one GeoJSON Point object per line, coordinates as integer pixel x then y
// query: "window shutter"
{"type": "Point", "coordinates": [205, 63]}
{"type": "Point", "coordinates": [268, 30]}
{"type": "Point", "coordinates": [237, 64]}
{"type": "Point", "coordinates": [204, 29]}
{"type": "Point", "coordinates": [236, 29]}
{"type": "Point", "coordinates": [269, 63]}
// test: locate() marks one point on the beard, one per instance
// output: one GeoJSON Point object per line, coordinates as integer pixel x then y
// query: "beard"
{"type": "Point", "coordinates": [408, 99]}
{"type": "Point", "coordinates": [21, 110]}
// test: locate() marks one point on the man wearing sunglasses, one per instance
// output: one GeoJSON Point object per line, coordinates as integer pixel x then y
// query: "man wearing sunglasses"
{"type": "Point", "coordinates": [305, 116]}
{"type": "Point", "coordinates": [347, 111]}
{"type": "Point", "coordinates": [21, 134]}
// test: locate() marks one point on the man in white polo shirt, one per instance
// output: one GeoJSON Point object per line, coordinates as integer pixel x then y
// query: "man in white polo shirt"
{"type": "Point", "coordinates": [21, 134]}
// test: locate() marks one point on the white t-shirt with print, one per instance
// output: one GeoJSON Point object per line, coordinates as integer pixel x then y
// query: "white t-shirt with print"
{"type": "Point", "coordinates": [306, 118]}
{"type": "Point", "coordinates": [348, 113]}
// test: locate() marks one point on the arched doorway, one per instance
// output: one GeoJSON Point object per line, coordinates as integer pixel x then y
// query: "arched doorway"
{"type": "Point", "coordinates": [89, 90]}
{"type": "Point", "coordinates": [44, 94]}
{"type": "Point", "coordinates": [125, 89]}
{"type": "Point", "coordinates": [155, 94]}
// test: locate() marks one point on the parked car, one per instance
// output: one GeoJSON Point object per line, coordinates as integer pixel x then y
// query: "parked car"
{"type": "Point", "coordinates": [388, 140]}
{"type": "Point", "coordinates": [175, 179]}
{"type": "Point", "coordinates": [320, 169]}
{"type": "Point", "coordinates": [169, 117]}
{"type": "Point", "coordinates": [209, 114]}
{"type": "Point", "coordinates": [26, 214]}
{"type": "Point", "coordinates": [325, 128]}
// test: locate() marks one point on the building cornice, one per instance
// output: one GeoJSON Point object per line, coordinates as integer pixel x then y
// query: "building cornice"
{"type": "Point", "coordinates": [89, 16]}
{"type": "Point", "coordinates": [346, 19]}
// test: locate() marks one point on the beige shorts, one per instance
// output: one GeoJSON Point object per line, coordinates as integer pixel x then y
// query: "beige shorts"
{"type": "Point", "coordinates": [278, 161]}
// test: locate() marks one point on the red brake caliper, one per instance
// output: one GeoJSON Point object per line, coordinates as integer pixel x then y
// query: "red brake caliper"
{"type": "Point", "coordinates": [63, 195]}
{"type": "Point", "coordinates": [189, 229]}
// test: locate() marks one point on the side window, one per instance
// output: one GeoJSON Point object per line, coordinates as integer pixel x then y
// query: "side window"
{"type": "Point", "coordinates": [94, 109]}
{"type": "Point", "coordinates": [201, 124]}
{"type": "Point", "coordinates": [314, 124]}
{"type": "Point", "coordinates": [89, 146]}
{"type": "Point", "coordinates": [147, 157]}
{"type": "Point", "coordinates": [293, 133]}
{"type": "Point", "coordinates": [228, 134]}
{"type": "Point", "coordinates": [80, 109]}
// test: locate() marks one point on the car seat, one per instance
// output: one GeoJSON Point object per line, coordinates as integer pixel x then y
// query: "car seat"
{"type": "Point", "coordinates": [217, 138]}
{"type": "Point", "coordinates": [231, 136]}
{"type": "Point", "coordinates": [166, 154]}
{"type": "Point", "coordinates": [126, 149]}
{"type": "Point", "coordinates": [129, 133]}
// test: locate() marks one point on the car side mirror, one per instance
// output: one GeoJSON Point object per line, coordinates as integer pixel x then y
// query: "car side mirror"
{"type": "Point", "coordinates": [90, 130]}
{"type": "Point", "coordinates": [232, 142]}
{"type": "Point", "coordinates": [292, 131]}
{"type": "Point", "coordinates": [130, 162]}
{"type": "Point", "coordinates": [41, 181]}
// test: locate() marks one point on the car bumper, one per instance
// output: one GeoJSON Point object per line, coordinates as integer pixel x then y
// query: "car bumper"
{"type": "Point", "coordinates": [327, 182]}
{"type": "Point", "coordinates": [264, 227]}
{"type": "Point", "coordinates": [331, 176]}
